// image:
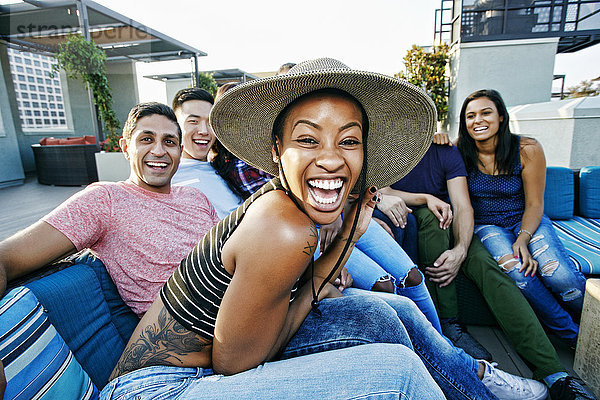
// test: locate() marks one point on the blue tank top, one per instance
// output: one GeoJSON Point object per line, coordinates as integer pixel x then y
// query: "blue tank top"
{"type": "Point", "coordinates": [498, 199]}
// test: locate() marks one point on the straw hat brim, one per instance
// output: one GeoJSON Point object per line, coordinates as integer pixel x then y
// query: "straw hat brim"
{"type": "Point", "coordinates": [402, 118]}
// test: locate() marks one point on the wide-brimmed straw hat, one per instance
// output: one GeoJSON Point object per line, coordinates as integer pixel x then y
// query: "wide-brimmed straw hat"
{"type": "Point", "coordinates": [402, 117]}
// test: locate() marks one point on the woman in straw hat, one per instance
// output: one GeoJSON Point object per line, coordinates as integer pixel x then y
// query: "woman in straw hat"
{"type": "Point", "coordinates": [251, 283]}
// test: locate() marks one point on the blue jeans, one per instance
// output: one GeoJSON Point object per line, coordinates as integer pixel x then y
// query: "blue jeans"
{"type": "Point", "coordinates": [406, 237]}
{"type": "Point", "coordinates": [362, 317]}
{"type": "Point", "coordinates": [557, 283]}
{"type": "Point", "coordinates": [376, 255]}
{"type": "Point", "coordinates": [374, 371]}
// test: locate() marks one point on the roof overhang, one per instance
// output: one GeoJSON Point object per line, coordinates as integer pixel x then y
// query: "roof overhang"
{"type": "Point", "coordinates": [220, 75]}
{"type": "Point", "coordinates": [40, 25]}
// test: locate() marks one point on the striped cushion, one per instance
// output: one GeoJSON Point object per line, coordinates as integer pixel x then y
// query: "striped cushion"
{"type": "Point", "coordinates": [581, 237]}
{"type": "Point", "coordinates": [37, 362]}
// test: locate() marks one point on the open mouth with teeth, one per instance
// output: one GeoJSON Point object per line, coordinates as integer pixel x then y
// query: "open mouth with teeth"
{"type": "Point", "coordinates": [157, 165]}
{"type": "Point", "coordinates": [480, 129]}
{"type": "Point", "coordinates": [326, 192]}
{"type": "Point", "coordinates": [201, 142]}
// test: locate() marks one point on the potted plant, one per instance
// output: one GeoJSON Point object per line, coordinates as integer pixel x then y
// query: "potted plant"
{"type": "Point", "coordinates": [80, 58]}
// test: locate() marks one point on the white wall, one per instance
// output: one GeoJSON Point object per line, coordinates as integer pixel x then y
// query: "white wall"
{"type": "Point", "coordinates": [569, 130]}
{"type": "Point", "coordinates": [521, 70]}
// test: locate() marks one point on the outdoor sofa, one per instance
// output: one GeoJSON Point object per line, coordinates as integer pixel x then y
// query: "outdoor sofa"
{"type": "Point", "coordinates": [572, 202]}
{"type": "Point", "coordinates": [93, 324]}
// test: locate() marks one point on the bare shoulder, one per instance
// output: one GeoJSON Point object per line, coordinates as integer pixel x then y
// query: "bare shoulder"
{"type": "Point", "coordinates": [531, 150]}
{"type": "Point", "coordinates": [273, 229]}
{"type": "Point", "coordinates": [276, 211]}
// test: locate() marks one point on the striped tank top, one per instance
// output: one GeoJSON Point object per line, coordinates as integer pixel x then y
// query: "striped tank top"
{"type": "Point", "coordinates": [194, 292]}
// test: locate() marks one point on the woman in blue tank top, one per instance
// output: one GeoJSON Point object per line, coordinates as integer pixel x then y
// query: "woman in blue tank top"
{"type": "Point", "coordinates": [507, 175]}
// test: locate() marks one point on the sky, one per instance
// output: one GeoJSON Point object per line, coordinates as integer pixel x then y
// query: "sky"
{"type": "Point", "coordinates": [260, 35]}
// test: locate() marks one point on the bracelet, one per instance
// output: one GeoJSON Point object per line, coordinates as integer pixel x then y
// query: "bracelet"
{"type": "Point", "coordinates": [525, 231]}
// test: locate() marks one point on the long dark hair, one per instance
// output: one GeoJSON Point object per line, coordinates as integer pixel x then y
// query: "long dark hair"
{"type": "Point", "coordinates": [505, 156]}
{"type": "Point", "coordinates": [224, 161]}
{"type": "Point", "coordinates": [277, 133]}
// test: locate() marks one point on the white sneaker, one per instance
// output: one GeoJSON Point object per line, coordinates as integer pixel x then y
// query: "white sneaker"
{"type": "Point", "coordinates": [510, 387]}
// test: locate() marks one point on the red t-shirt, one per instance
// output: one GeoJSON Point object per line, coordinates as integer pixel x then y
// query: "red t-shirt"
{"type": "Point", "coordinates": [141, 236]}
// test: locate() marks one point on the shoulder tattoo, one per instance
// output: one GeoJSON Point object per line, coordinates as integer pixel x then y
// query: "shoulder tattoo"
{"type": "Point", "coordinates": [311, 242]}
{"type": "Point", "coordinates": [161, 343]}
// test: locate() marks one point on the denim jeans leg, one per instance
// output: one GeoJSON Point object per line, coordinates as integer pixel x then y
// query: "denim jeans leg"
{"type": "Point", "coordinates": [374, 371]}
{"type": "Point", "coordinates": [498, 241]}
{"type": "Point", "coordinates": [406, 237]}
{"type": "Point", "coordinates": [365, 272]}
{"type": "Point", "coordinates": [380, 247]}
{"type": "Point", "coordinates": [345, 322]}
{"type": "Point", "coordinates": [556, 270]}
{"type": "Point", "coordinates": [453, 370]}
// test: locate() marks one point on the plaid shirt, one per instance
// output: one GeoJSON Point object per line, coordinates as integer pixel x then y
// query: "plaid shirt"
{"type": "Point", "coordinates": [248, 179]}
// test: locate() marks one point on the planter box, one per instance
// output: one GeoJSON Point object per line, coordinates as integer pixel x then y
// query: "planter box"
{"type": "Point", "coordinates": [112, 167]}
{"type": "Point", "coordinates": [66, 165]}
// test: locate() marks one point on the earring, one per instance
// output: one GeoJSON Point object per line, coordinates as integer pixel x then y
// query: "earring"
{"type": "Point", "coordinates": [276, 159]}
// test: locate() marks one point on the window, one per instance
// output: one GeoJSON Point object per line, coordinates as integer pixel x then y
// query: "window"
{"type": "Point", "coordinates": [30, 76]}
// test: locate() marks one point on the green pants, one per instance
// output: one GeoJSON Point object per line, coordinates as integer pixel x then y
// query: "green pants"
{"type": "Point", "coordinates": [509, 307]}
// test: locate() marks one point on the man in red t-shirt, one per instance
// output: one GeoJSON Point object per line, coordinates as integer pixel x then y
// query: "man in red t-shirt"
{"type": "Point", "coordinates": [140, 228]}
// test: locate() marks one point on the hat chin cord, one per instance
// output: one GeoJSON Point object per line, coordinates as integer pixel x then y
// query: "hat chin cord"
{"type": "Point", "coordinates": [363, 182]}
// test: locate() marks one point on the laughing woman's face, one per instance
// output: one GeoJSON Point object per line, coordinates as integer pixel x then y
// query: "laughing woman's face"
{"type": "Point", "coordinates": [322, 154]}
{"type": "Point", "coordinates": [482, 119]}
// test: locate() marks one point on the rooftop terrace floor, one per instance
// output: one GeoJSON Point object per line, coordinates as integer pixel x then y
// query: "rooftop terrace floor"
{"type": "Point", "coordinates": [23, 205]}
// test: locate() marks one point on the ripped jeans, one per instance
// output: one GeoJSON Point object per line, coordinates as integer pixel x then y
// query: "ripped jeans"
{"type": "Point", "coordinates": [557, 286]}
{"type": "Point", "coordinates": [377, 256]}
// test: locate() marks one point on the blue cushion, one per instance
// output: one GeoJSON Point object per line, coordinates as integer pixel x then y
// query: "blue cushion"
{"type": "Point", "coordinates": [581, 237]}
{"type": "Point", "coordinates": [559, 196]}
{"type": "Point", "coordinates": [589, 192]}
{"type": "Point", "coordinates": [37, 361]}
{"type": "Point", "coordinates": [77, 299]}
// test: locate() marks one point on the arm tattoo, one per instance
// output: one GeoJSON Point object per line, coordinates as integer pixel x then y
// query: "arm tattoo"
{"type": "Point", "coordinates": [161, 343]}
{"type": "Point", "coordinates": [309, 249]}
